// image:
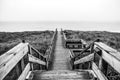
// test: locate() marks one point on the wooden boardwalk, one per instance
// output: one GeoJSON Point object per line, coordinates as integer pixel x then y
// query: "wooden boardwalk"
{"type": "Point", "coordinates": [61, 56]}
{"type": "Point", "coordinates": [29, 64]}
{"type": "Point", "coordinates": [61, 66]}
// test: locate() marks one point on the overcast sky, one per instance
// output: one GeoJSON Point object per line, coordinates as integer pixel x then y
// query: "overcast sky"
{"type": "Point", "coordinates": [60, 10]}
{"type": "Point", "coordinates": [105, 11]}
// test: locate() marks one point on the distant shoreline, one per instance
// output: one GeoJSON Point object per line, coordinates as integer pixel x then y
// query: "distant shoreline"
{"type": "Point", "coordinates": [42, 26]}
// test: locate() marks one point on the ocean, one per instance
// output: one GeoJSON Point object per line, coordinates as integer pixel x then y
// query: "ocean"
{"type": "Point", "coordinates": [41, 26]}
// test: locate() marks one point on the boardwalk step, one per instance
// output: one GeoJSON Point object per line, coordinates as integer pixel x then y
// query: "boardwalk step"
{"type": "Point", "coordinates": [61, 75]}
{"type": "Point", "coordinates": [61, 67]}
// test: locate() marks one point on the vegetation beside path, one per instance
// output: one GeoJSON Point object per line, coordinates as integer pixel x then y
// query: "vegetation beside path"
{"type": "Point", "coordinates": [38, 39]}
{"type": "Point", "coordinates": [110, 38]}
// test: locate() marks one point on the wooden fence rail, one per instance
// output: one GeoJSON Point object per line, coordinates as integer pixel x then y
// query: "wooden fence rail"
{"type": "Point", "coordinates": [72, 43]}
{"type": "Point", "coordinates": [14, 57]}
{"type": "Point", "coordinates": [20, 60]}
{"type": "Point", "coordinates": [102, 59]}
{"type": "Point", "coordinates": [105, 56]}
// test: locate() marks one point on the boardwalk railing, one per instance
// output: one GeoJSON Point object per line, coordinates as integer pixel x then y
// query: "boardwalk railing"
{"type": "Point", "coordinates": [97, 57]}
{"type": "Point", "coordinates": [72, 43]}
{"type": "Point", "coordinates": [20, 61]}
{"type": "Point", "coordinates": [49, 53]}
{"type": "Point", "coordinates": [104, 61]}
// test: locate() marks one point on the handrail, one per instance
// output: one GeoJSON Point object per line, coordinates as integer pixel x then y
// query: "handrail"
{"type": "Point", "coordinates": [107, 56]}
{"type": "Point", "coordinates": [108, 49]}
{"type": "Point", "coordinates": [64, 36]}
{"type": "Point", "coordinates": [13, 56]}
{"type": "Point", "coordinates": [50, 50]}
{"type": "Point", "coordinates": [10, 54]}
{"type": "Point", "coordinates": [21, 58]}
{"type": "Point", "coordinates": [88, 47]}
{"type": "Point", "coordinates": [98, 72]}
{"type": "Point", "coordinates": [106, 53]}
{"type": "Point", "coordinates": [36, 51]}
{"type": "Point", "coordinates": [10, 60]}
{"type": "Point", "coordinates": [36, 60]}
{"type": "Point", "coordinates": [110, 55]}
{"type": "Point", "coordinates": [71, 54]}
{"type": "Point", "coordinates": [90, 57]}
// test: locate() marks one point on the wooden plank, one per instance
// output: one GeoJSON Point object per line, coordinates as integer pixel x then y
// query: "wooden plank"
{"type": "Point", "coordinates": [22, 64]}
{"type": "Point", "coordinates": [25, 72]}
{"type": "Point", "coordinates": [30, 52]}
{"type": "Point", "coordinates": [37, 51]}
{"type": "Point", "coordinates": [99, 74]}
{"type": "Point", "coordinates": [30, 76]}
{"type": "Point", "coordinates": [84, 50]}
{"type": "Point", "coordinates": [84, 59]}
{"type": "Point", "coordinates": [9, 65]}
{"type": "Point", "coordinates": [9, 54]}
{"type": "Point", "coordinates": [36, 60]}
{"type": "Point", "coordinates": [110, 55]}
{"type": "Point", "coordinates": [79, 50]}
{"type": "Point", "coordinates": [105, 47]}
{"type": "Point", "coordinates": [115, 63]}
{"type": "Point", "coordinates": [71, 54]}
{"type": "Point", "coordinates": [83, 42]}
{"type": "Point", "coordinates": [54, 37]}
{"type": "Point", "coordinates": [17, 70]}
{"type": "Point", "coordinates": [108, 49]}
{"type": "Point", "coordinates": [64, 36]}
{"type": "Point", "coordinates": [100, 63]}
{"type": "Point", "coordinates": [93, 73]}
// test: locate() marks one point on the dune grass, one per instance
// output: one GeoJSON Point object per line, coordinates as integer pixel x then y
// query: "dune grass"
{"type": "Point", "coordinates": [109, 38]}
{"type": "Point", "coordinates": [39, 39]}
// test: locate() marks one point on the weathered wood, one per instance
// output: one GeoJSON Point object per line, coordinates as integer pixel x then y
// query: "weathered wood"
{"type": "Point", "coordinates": [99, 74]}
{"type": "Point", "coordinates": [108, 49]}
{"type": "Point", "coordinates": [71, 54]}
{"type": "Point", "coordinates": [64, 36]}
{"type": "Point", "coordinates": [104, 67]}
{"type": "Point", "coordinates": [54, 37]}
{"type": "Point", "coordinates": [30, 52]}
{"type": "Point", "coordinates": [17, 70]}
{"type": "Point", "coordinates": [100, 63]}
{"type": "Point", "coordinates": [115, 63]}
{"type": "Point", "coordinates": [37, 51]}
{"type": "Point", "coordinates": [25, 72]}
{"type": "Point", "coordinates": [92, 48]}
{"type": "Point", "coordinates": [84, 59]}
{"type": "Point", "coordinates": [30, 76]}
{"type": "Point", "coordinates": [93, 74]}
{"type": "Point", "coordinates": [79, 50]}
{"type": "Point", "coordinates": [6, 67]}
{"type": "Point", "coordinates": [36, 60]}
{"type": "Point", "coordinates": [11, 53]}
{"type": "Point", "coordinates": [88, 47]}
{"type": "Point", "coordinates": [22, 64]}
{"type": "Point", "coordinates": [83, 51]}
{"type": "Point", "coordinates": [110, 55]}
{"type": "Point", "coordinates": [83, 42]}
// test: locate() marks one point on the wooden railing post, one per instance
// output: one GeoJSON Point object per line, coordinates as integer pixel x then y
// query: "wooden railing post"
{"type": "Point", "coordinates": [105, 67]}
{"type": "Point", "coordinates": [91, 52]}
{"type": "Point", "coordinates": [72, 62]}
{"type": "Point", "coordinates": [30, 52]}
{"type": "Point", "coordinates": [40, 66]}
{"type": "Point", "coordinates": [17, 70]}
{"type": "Point", "coordinates": [47, 64]}
{"type": "Point", "coordinates": [22, 64]}
{"type": "Point", "coordinates": [100, 63]}
{"type": "Point", "coordinates": [92, 48]}
{"type": "Point", "coordinates": [99, 52]}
